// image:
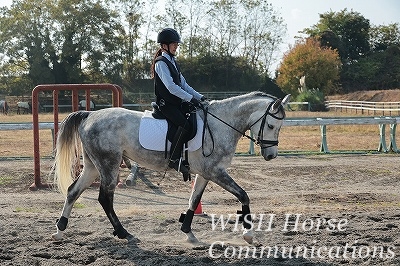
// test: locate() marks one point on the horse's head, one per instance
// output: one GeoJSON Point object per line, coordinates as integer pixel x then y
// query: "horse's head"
{"type": "Point", "coordinates": [268, 127]}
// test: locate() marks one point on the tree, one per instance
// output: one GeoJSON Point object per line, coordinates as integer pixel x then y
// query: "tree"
{"type": "Point", "coordinates": [366, 51]}
{"type": "Point", "coordinates": [75, 41]}
{"type": "Point", "coordinates": [251, 29]}
{"type": "Point", "coordinates": [384, 36]}
{"type": "Point", "coordinates": [96, 39]}
{"type": "Point", "coordinates": [209, 73]}
{"type": "Point", "coordinates": [262, 29]}
{"type": "Point", "coordinates": [197, 11]}
{"type": "Point", "coordinates": [65, 41]}
{"type": "Point", "coordinates": [318, 64]}
{"type": "Point", "coordinates": [351, 29]}
{"type": "Point", "coordinates": [23, 41]}
{"type": "Point", "coordinates": [224, 27]}
{"type": "Point", "coordinates": [379, 71]}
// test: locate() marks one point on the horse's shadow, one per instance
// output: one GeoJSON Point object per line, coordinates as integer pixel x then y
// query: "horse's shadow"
{"type": "Point", "coordinates": [140, 175]}
{"type": "Point", "coordinates": [172, 255]}
{"type": "Point", "coordinates": [138, 254]}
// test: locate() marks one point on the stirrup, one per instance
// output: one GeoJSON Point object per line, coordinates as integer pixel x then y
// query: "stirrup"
{"type": "Point", "coordinates": [178, 166]}
{"type": "Point", "coordinates": [187, 176]}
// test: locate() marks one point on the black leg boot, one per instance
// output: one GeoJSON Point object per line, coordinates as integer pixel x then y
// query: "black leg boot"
{"type": "Point", "coordinates": [176, 151]}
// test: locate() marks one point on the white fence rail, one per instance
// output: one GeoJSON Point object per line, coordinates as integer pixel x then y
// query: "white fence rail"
{"type": "Point", "coordinates": [299, 103]}
{"type": "Point", "coordinates": [290, 122]}
{"type": "Point", "coordinates": [364, 106]}
{"type": "Point", "coordinates": [25, 126]}
{"type": "Point", "coordinates": [323, 122]}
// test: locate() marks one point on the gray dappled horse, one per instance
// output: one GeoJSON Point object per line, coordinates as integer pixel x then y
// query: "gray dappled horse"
{"type": "Point", "coordinates": [110, 134]}
{"type": "Point", "coordinates": [25, 106]}
{"type": "Point", "coordinates": [82, 105]}
{"type": "Point", "coordinates": [4, 107]}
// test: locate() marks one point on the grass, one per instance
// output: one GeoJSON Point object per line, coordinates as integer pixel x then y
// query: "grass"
{"type": "Point", "coordinates": [4, 180]}
{"type": "Point", "coordinates": [78, 205]}
{"type": "Point", "coordinates": [27, 209]}
{"type": "Point", "coordinates": [19, 143]}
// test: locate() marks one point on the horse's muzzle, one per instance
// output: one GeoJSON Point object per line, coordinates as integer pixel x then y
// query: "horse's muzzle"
{"type": "Point", "coordinates": [269, 153]}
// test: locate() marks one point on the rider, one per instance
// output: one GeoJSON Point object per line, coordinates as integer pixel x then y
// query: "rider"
{"type": "Point", "coordinates": [173, 93]}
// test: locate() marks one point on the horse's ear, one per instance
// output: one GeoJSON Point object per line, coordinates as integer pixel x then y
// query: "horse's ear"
{"type": "Point", "coordinates": [285, 100]}
{"type": "Point", "coordinates": [275, 106]}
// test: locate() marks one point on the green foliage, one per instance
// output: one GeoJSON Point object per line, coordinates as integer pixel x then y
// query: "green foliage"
{"type": "Point", "coordinates": [368, 53]}
{"type": "Point", "coordinates": [224, 73]}
{"type": "Point", "coordinates": [380, 70]}
{"type": "Point", "coordinates": [384, 36]}
{"type": "Point", "coordinates": [314, 97]}
{"type": "Point", "coordinates": [351, 30]}
{"type": "Point", "coordinates": [64, 41]}
{"type": "Point", "coordinates": [227, 45]}
{"type": "Point", "coordinates": [86, 41]}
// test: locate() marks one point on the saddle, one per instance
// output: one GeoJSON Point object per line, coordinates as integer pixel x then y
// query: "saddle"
{"type": "Point", "coordinates": [157, 114]}
{"type": "Point", "coordinates": [156, 132]}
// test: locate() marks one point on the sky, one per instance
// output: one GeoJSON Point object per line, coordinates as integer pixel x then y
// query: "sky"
{"type": "Point", "coordinates": [300, 14]}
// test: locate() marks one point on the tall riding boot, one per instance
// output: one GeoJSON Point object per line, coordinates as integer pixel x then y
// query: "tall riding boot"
{"type": "Point", "coordinates": [176, 151]}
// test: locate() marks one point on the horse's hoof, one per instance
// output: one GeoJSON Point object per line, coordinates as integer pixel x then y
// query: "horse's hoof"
{"type": "Point", "coordinates": [132, 240]}
{"type": "Point", "coordinates": [248, 236]}
{"type": "Point", "coordinates": [57, 236]}
{"type": "Point", "coordinates": [191, 238]}
{"type": "Point", "coordinates": [248, 239]}
{"type": "Point", "coordinates": [200, 246]}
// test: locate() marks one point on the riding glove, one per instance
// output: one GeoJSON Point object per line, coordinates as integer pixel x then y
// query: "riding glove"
{"type": "Point", "coordinates": [196, 103]}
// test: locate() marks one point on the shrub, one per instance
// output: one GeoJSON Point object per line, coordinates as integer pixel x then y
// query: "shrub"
{"type": "Point", "coordinates": [314, 97]}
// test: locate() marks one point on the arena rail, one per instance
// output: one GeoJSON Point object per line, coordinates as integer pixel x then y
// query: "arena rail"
{"type": "Point", "coordinates": [49, 108]}
{"type": "Point", "coordinates": [290, 122]}
{"type": "Point", "coordinates": [323, 122]}
{"type": "Point", "coordinates": [364, 106]}
{"type": "Point", "coordinates": [25, 126]}
{"type": "Point", "coordinates": [55, 89]}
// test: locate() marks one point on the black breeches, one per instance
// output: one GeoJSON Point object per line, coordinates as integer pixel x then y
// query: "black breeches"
{"type": "Point", "coordinates": [176, 116]}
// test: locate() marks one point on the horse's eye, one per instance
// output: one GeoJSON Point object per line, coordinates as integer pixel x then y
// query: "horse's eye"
{"type": "Point", "coordinates": [270, 126]}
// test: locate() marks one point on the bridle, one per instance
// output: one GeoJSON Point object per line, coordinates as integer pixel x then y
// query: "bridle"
{"type": "Point", "coordinates": [259, 141]}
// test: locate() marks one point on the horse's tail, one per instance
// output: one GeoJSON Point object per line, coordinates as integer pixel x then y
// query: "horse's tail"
{"type": "Point", "coordinates": [68, 150]}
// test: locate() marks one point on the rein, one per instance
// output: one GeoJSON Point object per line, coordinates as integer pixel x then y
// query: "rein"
{"type": "Point", "coordinates": [259, 141]}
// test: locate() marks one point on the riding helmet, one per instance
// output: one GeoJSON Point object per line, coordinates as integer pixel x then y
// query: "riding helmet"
{"type": "Point", "coordinates": [168, 35]}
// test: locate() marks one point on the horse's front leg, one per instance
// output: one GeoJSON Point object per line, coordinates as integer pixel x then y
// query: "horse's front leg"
{"type": "Point", "coordinates": [227, 183]}
{"type": "Point", "coordinates": [198, 188]}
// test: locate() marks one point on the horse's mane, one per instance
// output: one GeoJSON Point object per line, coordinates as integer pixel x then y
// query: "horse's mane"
{"type": "Point", "coordinates": [251, 95]}
{"type": "Point", "coordinates": [262, 94]}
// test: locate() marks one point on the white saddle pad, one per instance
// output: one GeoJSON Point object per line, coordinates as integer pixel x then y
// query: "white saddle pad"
{"type": "Point", "coordinates": [152, 133]}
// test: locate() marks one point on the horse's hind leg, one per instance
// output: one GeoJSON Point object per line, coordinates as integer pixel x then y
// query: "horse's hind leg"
{"type": "Point", "coordinates": [198, 188]}
{"type": "Point", "coordinates": [109, 181]}
{"type": "Point", "coordinates": [86, 178]}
